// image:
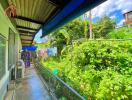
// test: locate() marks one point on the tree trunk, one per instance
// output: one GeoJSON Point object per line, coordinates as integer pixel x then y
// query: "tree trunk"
{"type": "Point", "coordinates": [90, 25]}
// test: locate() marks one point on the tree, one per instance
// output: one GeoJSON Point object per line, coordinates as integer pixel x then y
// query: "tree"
{"type": "Point", "coordinates": [59, 38]}
{"type": "Point", "coordinates": [103, 26]}
{"type": "Point", "coordinates": [76, 28]}
{"type": "Point", "coordinates": [86, 25]}
{"type": "Point", "coordinates": [72, 31]}
{"type": "Point", "coordinates": [90, 25]}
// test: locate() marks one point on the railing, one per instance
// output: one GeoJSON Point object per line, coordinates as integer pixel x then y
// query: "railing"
{"type": "Point", "coordinates": [57, 86]}
{"type": "Point", "coordinates": [14, 93]}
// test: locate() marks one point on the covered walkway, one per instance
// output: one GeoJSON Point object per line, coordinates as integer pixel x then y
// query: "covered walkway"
{"type": "Point", "coordinates": [30, 88]}
{"type": "Point", "coordinates": [20, 21]}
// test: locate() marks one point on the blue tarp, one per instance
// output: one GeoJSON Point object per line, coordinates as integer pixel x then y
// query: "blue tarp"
{"type": "Point", "coordinates": [29, 48]}
{"type": "Point", "coordinates": [52, 51]}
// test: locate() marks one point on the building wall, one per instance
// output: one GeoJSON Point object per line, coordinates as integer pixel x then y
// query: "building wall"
{"type": "Point", "coordinates": [5, 24]}
{"type": "Point", "coordinates": [128, 18]}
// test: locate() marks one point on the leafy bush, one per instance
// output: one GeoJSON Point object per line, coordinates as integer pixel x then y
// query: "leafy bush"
{"type": "Point", "coordinates": [102, 54]}
{"type": "Point", "coordinates": [103, 26]}
{"type": "Point", "coordinates": [97, 69]}
{"type": "Point", "coordinates": [121, 33]}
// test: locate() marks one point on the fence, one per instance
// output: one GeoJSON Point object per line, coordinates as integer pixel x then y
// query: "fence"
{"type": "Point", "coordinates": [56, 85]}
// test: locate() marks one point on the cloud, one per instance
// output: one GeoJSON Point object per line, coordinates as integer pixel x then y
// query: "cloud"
{"type": "Point", "coordinates": [124, 5]}
{"type": "Point", "coordinates": [110, 6]}
{"type": "Point", "coordinates": [113, 17]}
{"type": "Point", "coordinates": [121, 22]}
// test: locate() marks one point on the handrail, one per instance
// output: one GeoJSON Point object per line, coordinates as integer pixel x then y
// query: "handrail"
{"type": "Point", "coordinates": [66, 85]}
{"type": "Point", "coordinates": [82, 98]}
{"type": "Point", "coordinates": [83, 39]}
{"type": "Point", "coordinates": [14, 93]}
{"type": "Point", "coordinates": [54, 81]}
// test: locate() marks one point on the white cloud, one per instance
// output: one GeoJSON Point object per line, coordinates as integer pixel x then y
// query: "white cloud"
{"type": "Point", "coordinates": [113, 17]}
{"type": "Point", "coordinates": [120, 23]}
{"type": "Point", "coordinates": [110, 6]}
{"type": "Point", "coordinates": [124, 5]}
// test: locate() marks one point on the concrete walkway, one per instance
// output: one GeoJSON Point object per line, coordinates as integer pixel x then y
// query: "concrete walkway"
{"type": "Point", "coordinates": [31, 87]}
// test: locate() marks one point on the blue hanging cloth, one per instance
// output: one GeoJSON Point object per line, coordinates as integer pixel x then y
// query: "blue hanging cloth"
{"type": "Point", "coordinates": [29, 48]}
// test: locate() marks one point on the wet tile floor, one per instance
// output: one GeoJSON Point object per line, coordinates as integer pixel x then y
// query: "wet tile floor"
{"type": "Point", "coordinates": [31, 87]}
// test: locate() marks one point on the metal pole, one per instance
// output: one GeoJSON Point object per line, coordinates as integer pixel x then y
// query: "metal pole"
{"type": "Point", "coordinates": [85, 26]}
{"type": "Point", "coordinates": [90, 24]}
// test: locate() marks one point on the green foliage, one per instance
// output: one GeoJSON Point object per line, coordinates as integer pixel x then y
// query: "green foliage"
{"type": "Point", "coordinates": [121, 33]}
{"type": "Point", "coordinates": [103, 54]}
{"type": "Point", "coordinates": [103, 26]}
{"type": "Point", "coordinates": [115, 86]}
{"type": "Point", "coordinates": [80, 29]}
{"type": "Point", "coordinates": [42, 45]}
{"type": "Point", "coordinates": [72, 31]}
{"type": "Point", "coordinates": [98, 70]}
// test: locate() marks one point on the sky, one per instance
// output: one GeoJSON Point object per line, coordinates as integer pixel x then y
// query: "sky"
{"type": "Point", "coordinates": [112, 8]}
{"type": "Point", "coordinates": [37, 37]}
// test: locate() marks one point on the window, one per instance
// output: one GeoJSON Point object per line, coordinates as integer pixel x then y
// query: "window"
{"type": "Point", "coordinates": [130, 15]}
{"type": "Point", "coordinates": [11, 49]}
{"type": "Point", "coordinates": [2, 55]}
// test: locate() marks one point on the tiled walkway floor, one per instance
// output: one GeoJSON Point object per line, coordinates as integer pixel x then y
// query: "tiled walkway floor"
{"type": "Point", "coordinates": [31, 87]}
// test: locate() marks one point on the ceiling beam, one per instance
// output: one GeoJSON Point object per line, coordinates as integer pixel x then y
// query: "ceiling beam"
{"type": "Point", "coordinates": [23, 31]}
{"type": "Point", "coordinates": [53, 3]}
{"type": "Point", "coordinates": [27, 43]}
{"type": "Point", "coordinates": [26, 35]}
{"type": "Point", "coordinates": [29, 20]}
{"type": "Point", "coordinates": [59, 3]}
{"type": "Point", "coordinates": [28, 28]}
{"type": "Point", "coordinates": [26, 40]}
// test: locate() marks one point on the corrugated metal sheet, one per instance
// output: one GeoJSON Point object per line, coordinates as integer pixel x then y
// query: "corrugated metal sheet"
{"type": "Point", "coordinates": [29, 12]}
{"type": "Point", "coordinates": [38, 10]}
{"type": "Point", "coordinates": [27, 24]}
{"type": "Point", "coordinates": [34, 9]}
{"type": "Point", "coordinates": [26, 37]}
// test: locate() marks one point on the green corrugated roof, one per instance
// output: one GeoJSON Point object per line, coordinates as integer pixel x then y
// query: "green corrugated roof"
{"type": "Point", "coordinates": [36, 10]}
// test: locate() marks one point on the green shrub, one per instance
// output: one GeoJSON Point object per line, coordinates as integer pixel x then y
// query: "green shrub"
{"type": "Point", "coordinates": [121, 33]}
{"type": "Point", "coordinates": [102, 54]}
{"type": "Point", "coordinates": [97, 69]}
